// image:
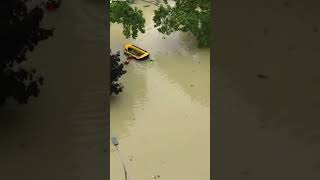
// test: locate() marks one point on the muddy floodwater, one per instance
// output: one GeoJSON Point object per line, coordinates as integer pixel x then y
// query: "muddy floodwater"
{"type": "Point", "coordinates": [162, 118]}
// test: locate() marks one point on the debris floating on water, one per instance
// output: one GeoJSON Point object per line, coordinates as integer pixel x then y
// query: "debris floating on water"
{"type": "Point", "coordinates": [262, 76]}
{"type": "Point", "coordinates": [151, 61]}
{"type": "Point", "coordinates": [130, 158]}
{"type": "Point", "coordinates": [155, 176]}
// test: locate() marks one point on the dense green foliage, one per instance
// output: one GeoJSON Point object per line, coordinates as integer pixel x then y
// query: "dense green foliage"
{"type": "Point", "coordinates": [116, 72]}
{"type": "Point", "coordinates": [20, 33]}
{"type": "Point", "coordinates": [131, 18]}
{"type": "Point", "coordinates": [187, 16]}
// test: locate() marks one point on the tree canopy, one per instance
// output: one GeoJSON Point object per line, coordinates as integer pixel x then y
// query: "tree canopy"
{"type": "Point", "coordinates": [131, 18]}
{"type": "Point", "coordinates": [20, 33]}
{"type": "Point", "coordinates": [116, 72]}
{"type": "Point", "coordinates": [187, 16]}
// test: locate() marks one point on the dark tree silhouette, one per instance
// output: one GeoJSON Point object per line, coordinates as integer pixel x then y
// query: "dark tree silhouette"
{"type": "Point", "coordinates": [20, 33]}
{"type": "Point", "coordinates": [116, 72]}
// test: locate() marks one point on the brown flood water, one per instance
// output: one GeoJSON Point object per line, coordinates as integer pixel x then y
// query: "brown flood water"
{"type": "Point", "coordinates": [162, 118]}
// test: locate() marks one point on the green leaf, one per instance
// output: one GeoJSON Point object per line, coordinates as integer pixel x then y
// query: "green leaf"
{"type": "Point", "coordinates": [131, 18]}
{"type": "Point", "coordinates": [187, 16]}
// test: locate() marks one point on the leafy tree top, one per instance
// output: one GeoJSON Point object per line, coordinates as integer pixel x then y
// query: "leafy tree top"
{"type": "Point", "coordinates": [187, 16]}
{"type": "Point", "coordinates": [131, 18]}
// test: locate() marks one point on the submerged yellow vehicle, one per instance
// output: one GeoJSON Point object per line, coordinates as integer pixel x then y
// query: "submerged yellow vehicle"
{"type": "Point", "coordinates": [135, 52]}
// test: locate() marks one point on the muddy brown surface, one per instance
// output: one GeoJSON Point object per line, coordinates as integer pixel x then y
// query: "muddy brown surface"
{"type": "Point", "coordinates": [162, 119]}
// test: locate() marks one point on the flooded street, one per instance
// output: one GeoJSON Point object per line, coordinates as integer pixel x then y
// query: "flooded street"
{"type": "Point", "coordinates": [162, 118]}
